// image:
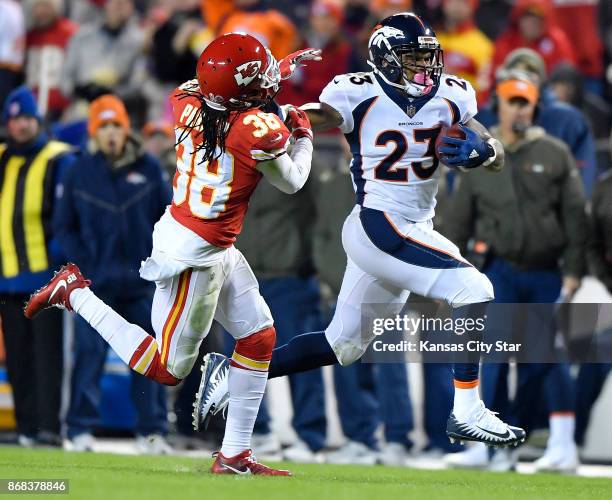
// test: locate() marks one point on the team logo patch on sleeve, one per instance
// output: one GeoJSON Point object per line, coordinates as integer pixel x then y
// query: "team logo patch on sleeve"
{"type": "Point", "coordinates": [246, 73]}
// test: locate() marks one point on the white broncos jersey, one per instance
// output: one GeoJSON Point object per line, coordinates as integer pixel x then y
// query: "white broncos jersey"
{"type": "Point", "coordinates": [392, 138]}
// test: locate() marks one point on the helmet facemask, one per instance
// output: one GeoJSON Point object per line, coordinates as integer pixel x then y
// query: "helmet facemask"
{"type": "Point", "coordinates": [414, 70]}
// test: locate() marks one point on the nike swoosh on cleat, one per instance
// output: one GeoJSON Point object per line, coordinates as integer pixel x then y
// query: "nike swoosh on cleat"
{"type": "Point", "coordinates": [237, 471]}
{"type": "Point", "coordinates": [506, 435]}
{"type": "Point", "coordinates": [61, 284]}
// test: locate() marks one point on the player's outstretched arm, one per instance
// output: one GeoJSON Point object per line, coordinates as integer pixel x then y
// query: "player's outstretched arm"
{"type": "Point", "coordinates": [290, 172]}
{"type": "Point", "coordinates": [322, 116]}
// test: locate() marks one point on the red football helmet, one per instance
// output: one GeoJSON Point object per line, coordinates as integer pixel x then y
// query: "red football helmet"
{"type": "Point", "coordinates": [237, 72]}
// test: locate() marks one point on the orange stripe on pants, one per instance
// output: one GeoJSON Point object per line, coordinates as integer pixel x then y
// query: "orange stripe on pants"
{"type": "Point", "coordinates": [175, 314]}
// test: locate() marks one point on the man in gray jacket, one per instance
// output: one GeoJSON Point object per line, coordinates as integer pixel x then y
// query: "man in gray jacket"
{"type": "Point", "coordinates": [106, 57]}
{"type": "Point", "coordinates": [526, 227]}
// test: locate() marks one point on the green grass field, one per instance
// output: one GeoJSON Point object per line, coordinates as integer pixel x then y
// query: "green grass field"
{"type": "Point", "coordinates": [110, 477]}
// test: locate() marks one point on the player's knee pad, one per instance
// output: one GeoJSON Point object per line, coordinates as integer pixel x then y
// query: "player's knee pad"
{"type": "Point", "coordinates": [255, 351]}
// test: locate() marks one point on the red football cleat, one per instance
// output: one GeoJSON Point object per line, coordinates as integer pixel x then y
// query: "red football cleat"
{"type": "Point", "coordinates": [243, 464]}
{"type": "Point", "coordinates": [56, 292]}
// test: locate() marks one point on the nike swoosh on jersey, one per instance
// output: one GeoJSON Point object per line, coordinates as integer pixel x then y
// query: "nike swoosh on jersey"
{"type": "Point", "coordinates": [61, 284]}
{"type": "Point", "coordinates": [506, 435]}
{"type": "Point", "coordinates": [277, 138]}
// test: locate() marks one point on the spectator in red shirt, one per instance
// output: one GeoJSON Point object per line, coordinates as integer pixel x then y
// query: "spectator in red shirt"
{"type": "Point", "coordinates": [533, 25]}
{"type": "Point", "coordinates": [326, 18]}
{"type": "Point", "coordinates": [46, 43]}
{"type": "Point", "coordinates": [578, 19]}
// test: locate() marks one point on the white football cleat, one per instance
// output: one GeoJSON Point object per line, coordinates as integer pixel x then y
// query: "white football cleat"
{"type": "Point", "coordinates": [559, 458]}
{"type": "Point", "coordinates": [475, 457]}
{"type": "Point", "coordinates": [483, 425]}
{"type": "Point", "coordinates": [213, 393]}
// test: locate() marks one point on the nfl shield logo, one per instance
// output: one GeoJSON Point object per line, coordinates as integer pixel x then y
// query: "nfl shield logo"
{"type": "Point", "coordinates": [411, 111]}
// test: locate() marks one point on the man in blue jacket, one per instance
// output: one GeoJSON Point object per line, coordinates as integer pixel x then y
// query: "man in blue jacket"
{"type": "Point", "coordinates": [30, 167]}
{"type": "Point", "coordinates": [106, 210]}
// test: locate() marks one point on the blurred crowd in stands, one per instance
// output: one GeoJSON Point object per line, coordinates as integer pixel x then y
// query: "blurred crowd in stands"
{"type": "Point", "coordinates": [69, 53]}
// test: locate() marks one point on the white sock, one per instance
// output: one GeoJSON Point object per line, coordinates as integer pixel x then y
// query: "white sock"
{"type": "Point", "coordinates": [465, 400]}
{"type": "Point", "coordinates": [122, 336]}
{"type": "Point", "coordinates": [561, 430]}
{"type": "Point", "coordinates": [246, 389]}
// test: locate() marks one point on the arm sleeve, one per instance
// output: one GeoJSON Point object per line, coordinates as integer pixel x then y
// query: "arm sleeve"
{"type": "Point", "coordinates": [336, 96]}
{"type": "Point", "coordinates": [289, 172]}
{"type": "Point", "coordinates": [573, 216]}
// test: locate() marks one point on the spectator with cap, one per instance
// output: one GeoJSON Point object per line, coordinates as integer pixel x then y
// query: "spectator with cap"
{"type": "Point", "coordinates": [529, 230]}
{"type": "Point", "coordinates": [46, 44]}
{"type": "Point", "coordinates": [30, 168]}
{"type": "Point", "coordinates": [12, 46]}
{"type": "Point", "coordinates": [559, 119]}
{"type": "Point", "coordinates": [467, 50]}
{"type": "Point", "coordinates": [533, 25]}
{"type": "Point", "coordinates": [109, 201]}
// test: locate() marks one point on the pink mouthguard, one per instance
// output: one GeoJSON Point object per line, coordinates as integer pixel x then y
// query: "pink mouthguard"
{"type": "Point", "coordinates": [424, 80]}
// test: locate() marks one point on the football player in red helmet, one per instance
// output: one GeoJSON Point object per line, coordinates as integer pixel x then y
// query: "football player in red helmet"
{"type": "Point", "coordinates": [226, 142]}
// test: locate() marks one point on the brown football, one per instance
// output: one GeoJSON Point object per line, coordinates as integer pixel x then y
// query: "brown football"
{"type": "Point", "coordinates": [453, 131]}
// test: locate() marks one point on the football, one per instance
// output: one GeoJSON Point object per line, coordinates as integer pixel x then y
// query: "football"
{"type": "Point", "coordinates": [453, 131]}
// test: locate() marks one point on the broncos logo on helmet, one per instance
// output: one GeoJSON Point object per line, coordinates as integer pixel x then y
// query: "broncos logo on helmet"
{"type": "Point", "coordinates": [406, 54]}
{"type": "Point", "coordinates": [381, 35]}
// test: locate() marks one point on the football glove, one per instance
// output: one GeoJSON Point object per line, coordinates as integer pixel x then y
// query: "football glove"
{"type": "Point", "coordinates": [289, 64]}
{"type": "Point", "coordinates": [467, 153]}
{"type": "Point", "coordinates": [299, 124]}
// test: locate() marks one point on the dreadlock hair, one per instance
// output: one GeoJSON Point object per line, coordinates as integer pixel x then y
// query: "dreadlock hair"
{"type": "Point", "coordinates": [212, 125]}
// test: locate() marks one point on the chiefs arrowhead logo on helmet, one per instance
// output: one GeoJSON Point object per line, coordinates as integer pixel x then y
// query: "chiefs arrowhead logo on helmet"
{"type": "Point", "coordinates": [246, 73]}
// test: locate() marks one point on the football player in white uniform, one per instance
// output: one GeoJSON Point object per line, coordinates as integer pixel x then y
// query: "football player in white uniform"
{"type": "Point", "coordinates": [391, 118]}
